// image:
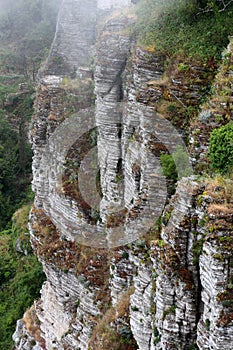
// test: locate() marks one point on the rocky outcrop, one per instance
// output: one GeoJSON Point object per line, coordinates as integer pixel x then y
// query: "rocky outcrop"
{"type": "Point", "coordinates": [170, 280]}
{"type": "Point", "coordinates": [215, 325]}
{"type": "Point", "coordinates": [141, 317]}
{"type": "Point", "coordinates": [120, 274]}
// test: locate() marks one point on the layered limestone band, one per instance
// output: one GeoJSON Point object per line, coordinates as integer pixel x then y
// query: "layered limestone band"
{"type": "Point", "coordinates": [134, 189]}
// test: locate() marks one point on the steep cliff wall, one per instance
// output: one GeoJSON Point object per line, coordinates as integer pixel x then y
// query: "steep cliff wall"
{"type": "Point", "coordinates": [120, 275]}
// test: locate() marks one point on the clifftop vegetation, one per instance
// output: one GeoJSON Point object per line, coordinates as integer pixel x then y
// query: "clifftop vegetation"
{"type": "Point", "coordinates": [193, 34]}
{"type": "Point", "coordinates": [185, 29]}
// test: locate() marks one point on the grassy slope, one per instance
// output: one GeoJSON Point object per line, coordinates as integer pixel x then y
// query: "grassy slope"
{"type": "Point", "coordinates": [177, 29]}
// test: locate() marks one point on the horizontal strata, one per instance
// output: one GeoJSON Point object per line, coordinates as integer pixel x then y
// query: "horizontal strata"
{"type": "Point", "coordinates": [172, 286]}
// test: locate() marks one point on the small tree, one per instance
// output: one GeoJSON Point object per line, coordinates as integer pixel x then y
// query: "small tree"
{"type": "Point", "coordinates": [221, 148]}
{"type": "Point", "coordinates": [213, 5]}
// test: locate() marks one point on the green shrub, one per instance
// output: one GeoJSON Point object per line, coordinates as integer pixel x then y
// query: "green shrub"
{"type": "Point", "coordinates": [15, 159]}
{"type": "Point", "coordinates": [193, 347]}
{"type": "Point", "coordinates": [181, 158]}
{"type": "Point", "coordinates": [177, 165]}
{"type": "Point", "coordinates": [221, 148]}
{"type": "Point", "coordinates": [168, 166]}
{"type": "Point", "coordinates": [227, 303]}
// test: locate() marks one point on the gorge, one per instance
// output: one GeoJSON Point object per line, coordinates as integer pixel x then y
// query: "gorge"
{"type": "Point", "coordinates": [130, 261]}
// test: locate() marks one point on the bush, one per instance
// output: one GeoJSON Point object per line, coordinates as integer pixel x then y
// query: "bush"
{"type": "Point", "coordinates": [168, 166]}
{"type": "Point", "coordinates": [177, 165]}
{"type": "Point", "coordinates": [221, 148]}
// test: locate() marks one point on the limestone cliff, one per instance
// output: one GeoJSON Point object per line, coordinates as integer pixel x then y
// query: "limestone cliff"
{"type": "Point", "coordinates": [129, 265]}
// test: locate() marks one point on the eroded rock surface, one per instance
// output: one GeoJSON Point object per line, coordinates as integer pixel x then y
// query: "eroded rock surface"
{"type": "Point", "coordinates": [120, 275]}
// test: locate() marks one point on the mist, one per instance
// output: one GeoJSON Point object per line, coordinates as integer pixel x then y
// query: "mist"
{"type": "Point", "coordinates": [27, 29]}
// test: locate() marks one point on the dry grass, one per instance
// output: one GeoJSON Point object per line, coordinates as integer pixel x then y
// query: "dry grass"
{"type": "Point", "coordinates": [220, 209]}
{"type": "Point", "coordinates": [122, 309]}
{"type": "Point", "coordinates": [220, 188]}
{"type": "Point", "coordinates": [32, 325]}
{"type": "Point", "coordinates": [105, 335]}
{"type": "Point", "coordinates": [66, 254]}
{"type": "Point", "coordinates": [20, 217]}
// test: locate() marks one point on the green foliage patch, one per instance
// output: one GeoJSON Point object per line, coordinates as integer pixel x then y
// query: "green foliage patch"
{"type": "Point", "coordinates": [8, 85]}
{"type": "Point", "coordinates": [221, 148]}
{"type": "Point", "coordinates": [176, 165]}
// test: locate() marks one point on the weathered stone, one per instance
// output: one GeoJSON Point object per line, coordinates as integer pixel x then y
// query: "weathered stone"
{"type": "Point", "coordinates": [177, 279]}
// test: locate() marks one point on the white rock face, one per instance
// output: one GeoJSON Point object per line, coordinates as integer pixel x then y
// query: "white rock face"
{"type": "Point", "coordinates": [73, 46]}
{"type": "Point", "coordinates": [141, 320]}
{"type": "Point", "coordinates": [66, 309]}
{"type": "Point", "coordinates": [215, 325]}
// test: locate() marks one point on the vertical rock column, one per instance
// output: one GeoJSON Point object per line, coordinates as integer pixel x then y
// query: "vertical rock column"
{"type": "Point", "coordinates": [113, 50]}
{"type": "Point", "coordinates": [215, 328]}
{"type": "Point", "coordinates": [49, 112]}
{"type": "Point", "coordinates": [177, 285]}
{"type": "Point", "coordinates": [144, 130]}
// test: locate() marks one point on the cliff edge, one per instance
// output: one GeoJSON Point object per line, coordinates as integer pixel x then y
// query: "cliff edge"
{"type": "Point", "coordinates": [130, 264]}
